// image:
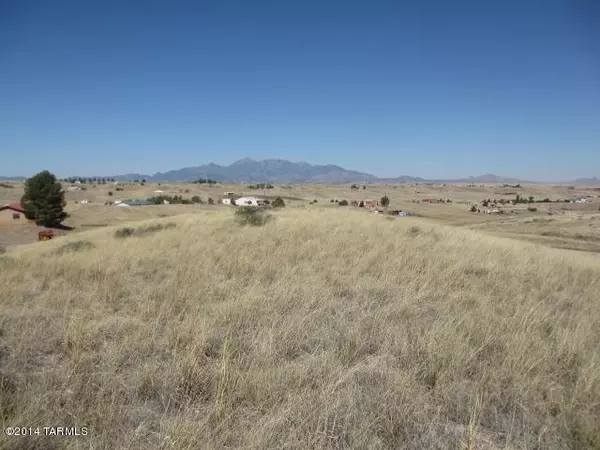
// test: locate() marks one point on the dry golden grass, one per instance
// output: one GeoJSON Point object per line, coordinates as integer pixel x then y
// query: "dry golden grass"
{"type": "Point", "coordinates": [322, 329]}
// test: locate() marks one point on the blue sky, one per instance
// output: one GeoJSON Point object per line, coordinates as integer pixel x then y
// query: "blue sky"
{"type": "Point", "coordinates": [431, 88]}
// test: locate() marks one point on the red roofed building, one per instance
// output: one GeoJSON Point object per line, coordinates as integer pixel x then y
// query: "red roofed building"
{"type": "Point", "coordinates": [13, 213]}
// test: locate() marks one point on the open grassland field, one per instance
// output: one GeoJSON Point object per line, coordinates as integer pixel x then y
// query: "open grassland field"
{"type": "Point", "coordinates": [576, 230]}
{"type": "Point", "coordinates": [322, 329]}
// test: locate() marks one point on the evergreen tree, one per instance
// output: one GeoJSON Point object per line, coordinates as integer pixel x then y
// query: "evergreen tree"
{"type": "Point", "coordinates": [385, 201]}
{"type": "Point", "coordinates": [44, 199]}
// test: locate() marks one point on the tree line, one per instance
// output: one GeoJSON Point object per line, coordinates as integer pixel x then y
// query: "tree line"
{"type": "Point", "coordinates": [90, 180]}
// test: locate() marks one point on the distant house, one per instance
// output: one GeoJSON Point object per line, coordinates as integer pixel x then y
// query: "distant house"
{"type": "Point", "coordinates": [127, 203]}
{"type": "Point", "coordinates": [13, 213]}
{"type": "Point", "coordinates": [371, 204]}
{"type": "Point", "coordinates": [248, 201]}
{"type": "Point", "coordinates": [226, 201]}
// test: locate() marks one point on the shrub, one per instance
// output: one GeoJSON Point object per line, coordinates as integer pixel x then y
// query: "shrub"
{"type": "Point", "coordinates": [196, 199]}
{"type": "Point", "coordinates": [110, 193]}
{"type": "Point", "coordinates": [473, 208]}
{"type": "Point", "coordinates": [354, 186]}
{"type": "Point", "coordinates": [212, 202]}
{"type": "Point", "coordinates": [531, 208]}
{"type": "Point", "coordinates": [343, 203]}
{"type": "Point", "coordinates": [278, 203]}
{"type": "Point", "coordinates": [7, 186]}
{"type": "Point", "coordinates": [331, 201]}
{"type": "Point", "coordinates": [74, 246]}
{"type": "Point", "coordinates": [124, 232]}
{"type": "Point", "coordinates": [143, 230]}
{"type": "Point", "coordinates": [361, 204]}
{"type": "Point", "coordinates": [118, 189]}
{"type": "Point", "coordinates": [251, 215]}
{"type": "Point", "coordinates": [385, 201]}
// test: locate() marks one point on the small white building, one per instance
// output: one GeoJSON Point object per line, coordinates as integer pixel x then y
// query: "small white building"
{"type": "Point", "coordinates": [226, 201]}
{"type": "Point", "coordinates": [248, 201]}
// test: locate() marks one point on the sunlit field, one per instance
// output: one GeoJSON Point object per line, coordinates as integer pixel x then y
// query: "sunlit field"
{"type": "Point", "coordinates": [323, 329]}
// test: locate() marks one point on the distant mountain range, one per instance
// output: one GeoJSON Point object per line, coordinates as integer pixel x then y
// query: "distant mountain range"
{"type": "Point", "coordinates": [281, 171]}
{"type": "Point", "coordinates": [594, 180]}
{"type": "Point", "coordinates": [267, 171]}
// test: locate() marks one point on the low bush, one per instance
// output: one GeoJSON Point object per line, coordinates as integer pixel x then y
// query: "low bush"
{"type": "Point", "coordinates": [74, 246]}
{"type": "Point", "coordinates": [343, 203]}
{"type": "Point", "coordinates": [251, 215]}
{"type": "Point", "coordinates": [531, 208]}
{"type": "Point", "coordinates": [124, 232]}
{"type": "Point", "coordinates": [143, 230]}
{"type": "Point", "coordinates": [278, 203]}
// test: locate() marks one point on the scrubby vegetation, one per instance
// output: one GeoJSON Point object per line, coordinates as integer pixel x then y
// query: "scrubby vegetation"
{"type": "Point", "coordinates": [143, 229]}
{"type": "Point", "coordinates": [205, 181]}
{"type": "Point", "coordinates": [323, 329]}
{"type": "Point", "coordinates": [174, 199]}
{"type": "Point", "coordinates": [251, 215]}
{"type": "Point", "coordinates": [278, 203]}
{"type": "Point", "coordinates": [74, 246]}
{"type": "Point", "coordinates": [261, 186]}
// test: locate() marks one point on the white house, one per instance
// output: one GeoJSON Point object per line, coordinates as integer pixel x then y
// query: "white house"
{"type": "Point", "coordinates": [248, 201]}
{"type": "Point", "coordinates": [226, 201]}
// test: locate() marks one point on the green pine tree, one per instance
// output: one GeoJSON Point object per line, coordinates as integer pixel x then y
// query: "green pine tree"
{"type": "Point", "coordinates": [44, 200]}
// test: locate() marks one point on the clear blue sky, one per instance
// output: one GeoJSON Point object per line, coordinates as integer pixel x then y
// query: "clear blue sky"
{"type": "Point", "coordinates": [424, 88]}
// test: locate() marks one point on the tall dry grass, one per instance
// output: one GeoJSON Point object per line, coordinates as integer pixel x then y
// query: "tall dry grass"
{"type": "Point", "coordinates": [322, 329]}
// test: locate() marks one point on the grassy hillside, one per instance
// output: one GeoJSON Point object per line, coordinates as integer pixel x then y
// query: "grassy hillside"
{"type": "Point", "coordinates": [323, 329]}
